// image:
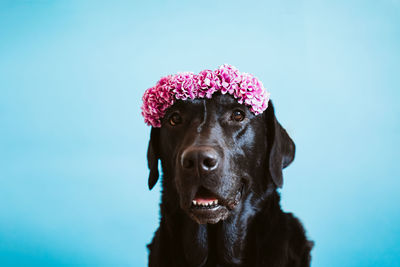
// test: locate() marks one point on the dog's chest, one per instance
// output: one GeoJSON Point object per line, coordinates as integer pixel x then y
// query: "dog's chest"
{"type": "Point", "coordinates": [215, 245]}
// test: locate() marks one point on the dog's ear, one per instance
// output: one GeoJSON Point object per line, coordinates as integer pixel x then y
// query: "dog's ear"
{"type": "Point", "coordinates": [281, 148]}
{"type": "Point", "coordinates": [153, 156]}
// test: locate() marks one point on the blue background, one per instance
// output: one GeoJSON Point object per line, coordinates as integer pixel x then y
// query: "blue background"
{"type": "Point", "coordinates": [73, 175]}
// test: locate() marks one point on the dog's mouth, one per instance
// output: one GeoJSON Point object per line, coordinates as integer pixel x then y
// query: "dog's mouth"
{"type": "Point", "coordinates": [205, 199]}
{"type": "Point", "coordinates": [202, 203]}
{"type": "Point", "coordinates": [207, 207]}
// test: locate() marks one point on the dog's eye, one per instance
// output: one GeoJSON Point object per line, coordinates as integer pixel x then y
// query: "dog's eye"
{"type": "Point", "coordinates": [175, 119]}
{"type": "Point", "coordinates": [237, 115]}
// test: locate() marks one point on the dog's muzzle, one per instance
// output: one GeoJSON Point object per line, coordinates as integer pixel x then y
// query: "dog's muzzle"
{"type": "Point", "coordinates": [202, 185]}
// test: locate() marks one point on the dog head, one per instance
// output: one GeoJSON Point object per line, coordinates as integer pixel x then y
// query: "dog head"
{"type": "Point", "coordinates": [214, 152]}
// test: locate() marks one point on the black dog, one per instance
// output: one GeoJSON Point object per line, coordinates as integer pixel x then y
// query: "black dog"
{"type": "Point", "coordinates": [221, 168]}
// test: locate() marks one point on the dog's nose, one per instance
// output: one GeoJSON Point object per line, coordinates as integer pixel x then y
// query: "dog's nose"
{"type": "Point", "coordinates": [204, 158]}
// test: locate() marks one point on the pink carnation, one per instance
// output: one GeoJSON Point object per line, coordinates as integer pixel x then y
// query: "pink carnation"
{"type": "Point", "coordinates": [244, 87]}
{"type": "Point", "coordinates": [208, 83]}
{"type": "Point", "coordinates": [229, 76]}
{"type": "Point", "coordinates": [185, 86]}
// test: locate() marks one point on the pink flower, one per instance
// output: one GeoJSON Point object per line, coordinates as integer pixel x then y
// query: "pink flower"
{"type": "Point", "coordinates": [156, 100]}
{"type": "Point", "coordinates": [229, 77]}
{"type": "Point", "coordinates": [208, 83]}
{"type": "Point", "coordinates": [185, 86]}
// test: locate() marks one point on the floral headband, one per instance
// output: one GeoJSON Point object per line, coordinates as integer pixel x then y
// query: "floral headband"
{"type": "Point", "coordinates": [244, 87]}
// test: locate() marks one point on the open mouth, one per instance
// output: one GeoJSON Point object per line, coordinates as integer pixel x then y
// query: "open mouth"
{"type": "Point", "coordinates": [200, 203]}
{"type": "Point", "coordinates": [207, 207]}
{"type": "Point", "coordinates": [204, 199]}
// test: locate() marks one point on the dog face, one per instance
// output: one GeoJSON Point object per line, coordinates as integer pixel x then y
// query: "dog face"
{"type": "Point", "coordinates": [215, 152]}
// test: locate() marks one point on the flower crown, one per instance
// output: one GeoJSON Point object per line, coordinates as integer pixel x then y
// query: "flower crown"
{"type": "Point", "coordinates": [244, 87]}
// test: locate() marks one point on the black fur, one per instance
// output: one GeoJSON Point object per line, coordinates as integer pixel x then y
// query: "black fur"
{"type": "Point", "coordinates": [249, 228]}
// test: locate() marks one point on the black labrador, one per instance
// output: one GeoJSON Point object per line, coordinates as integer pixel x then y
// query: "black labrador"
{"type": "Point", "coordinates": [221, 167]}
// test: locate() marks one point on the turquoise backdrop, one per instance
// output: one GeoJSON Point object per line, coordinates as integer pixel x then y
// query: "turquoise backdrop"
{"type": "Point", "coordinates": [73, 175]}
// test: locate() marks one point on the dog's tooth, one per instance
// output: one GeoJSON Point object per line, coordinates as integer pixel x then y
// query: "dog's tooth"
{"type": "Point", "coordinates": [215, 202]}
{"type": "Point", "coordinates": [194, 202]}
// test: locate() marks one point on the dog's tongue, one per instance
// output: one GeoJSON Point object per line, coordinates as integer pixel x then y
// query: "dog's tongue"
{"type": "Point", "coordinates": [204, 200]}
